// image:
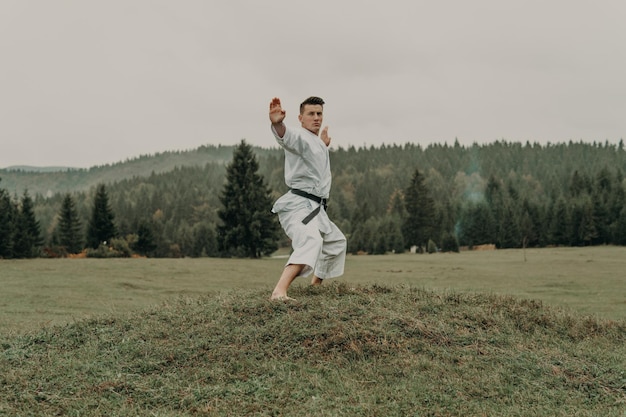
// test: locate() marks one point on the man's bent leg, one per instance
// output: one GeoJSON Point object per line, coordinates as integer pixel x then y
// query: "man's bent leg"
{"type": "Point", "coordinates": [316, 280]}
{"type": "Point", "coordinates": [333, 255]}
{"type": "Point", "coordinates": [290, 273]}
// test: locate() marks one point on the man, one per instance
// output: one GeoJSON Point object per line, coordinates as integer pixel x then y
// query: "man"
{"type": "Point", "coordinates": [318, 244]}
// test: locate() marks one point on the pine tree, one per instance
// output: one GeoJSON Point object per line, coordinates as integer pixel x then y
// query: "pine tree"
{"type": "Point", "coordinates": [476, 224]}
{"type": "Point", "coordinates": [7, 224]}
{"type": "Point", "coordinates": [145, 244]}
{"type": "Point", "coordinates": [619, 228]}
{"type": "Point", "coordinates": [420, 211]}
{"type": "Point", "coordinates": [587, 230]}
{"type": "Point", "coordinates": [508, 233]}
{"type": "Point", "coordinates": [449, 242]}
{"type": "Point", "coordinates": [492, 191]}
{"type": "Point", "coordinates": [529, 221]}
{"type": "Point", "coordinates": [70, 227]}
{"type": "Point", "coordinates": [559, 228]}
{"type": "Point", "coordinates": [27, 239]}
{"type": "Point", "coordinates": [393, 228]}
{"type": "Point", "coordinates": [447, 225]}
{"type": "Point", "coordinates": [248, 229]}
{"type": "Point", "coordinates": [101, 227]}
{"type": "Point", "coordinates": [578, 184]}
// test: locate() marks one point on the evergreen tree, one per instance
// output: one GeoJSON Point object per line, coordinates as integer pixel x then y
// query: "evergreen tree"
{"type": "Point", "coordinates": [248, 229]}
{"type": "Point", "coordinates": [204, 240]}
{"type": "Point", "coordinates": [503, 203]}
{"type": "Point", "coordinates": [101, 227]}
{"type": "Point", "coordinates": [492, 190]}
{"type": "Point", "coordinates": [587, 230]}
{"type": "Point", "coordinates": [575, 221]}
{"type": "Point", "coordinates": [27, 238]}
{"type": "Point", "coordinates": [449, 242]}
{"type": "Point", "coordinates": [559, 233]}
{"type": "Point", "coordinates": [601, 219]}
{"type": "Point", "coordinates": [508, 232]}
{"type": "Point", "coordinates": [372, 242]}
{"type": "Point", "coordinates": [381, 239]}
{"type": "Point", "coordinates": [578, 184]}
{"type": "Point", "coordinates": [619, 228]}
{"type": "Point", "coordinates": [530, 224]}
{"type": "Point", "coordinates": [617, 202]}
{"type": "Point", "coordinates": [70, 226]}
{"type": "Point", "coordinates": [145, 244]}
{"type": "Point", "coordinates": [161, 237]}
{"type": "Point", "coordinates": [393, 228]}
{"type": "Point", "coordinates": [447, 221]}
{"type": "Point", "coordinates": [7, 224]}
{"type": "Point", "coordinates": [420, 211]}
{"type": "Point", "coordinates": [476, 225]}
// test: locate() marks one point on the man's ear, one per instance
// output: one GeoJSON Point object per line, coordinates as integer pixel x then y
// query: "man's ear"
{"type": "Point", "coordinates": [300, 117]}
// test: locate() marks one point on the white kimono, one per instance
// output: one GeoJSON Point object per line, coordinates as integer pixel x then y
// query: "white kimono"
{"type": "Point", "coordinates": [319, 245]}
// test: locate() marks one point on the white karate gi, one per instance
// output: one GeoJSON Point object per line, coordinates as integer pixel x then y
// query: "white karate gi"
{"type": "Point", "coordinates": [319, 245]}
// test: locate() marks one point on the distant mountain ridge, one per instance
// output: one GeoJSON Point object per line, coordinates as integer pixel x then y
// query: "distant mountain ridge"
{"type": "Point", "coordinates": [29, 168]}
{"type": "Point", "coordinates": [48, 181]}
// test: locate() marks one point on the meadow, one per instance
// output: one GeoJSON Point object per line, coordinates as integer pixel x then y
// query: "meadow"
{"type": "Point", "coordinates": [42, 292]}
{"type": "Point", "coordinates": [501, 333]}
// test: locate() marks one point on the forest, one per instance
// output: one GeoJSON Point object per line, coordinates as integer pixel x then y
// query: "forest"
{"type": "Point", "coordinates": [387, 198]}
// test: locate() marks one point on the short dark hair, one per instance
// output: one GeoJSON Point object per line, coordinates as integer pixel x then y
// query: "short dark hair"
{"type": "Point", "coordinates": [311, 100]}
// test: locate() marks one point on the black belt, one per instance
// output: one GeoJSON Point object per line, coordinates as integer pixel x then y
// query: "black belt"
{"type": "Point", "coordinates": [320, 200]}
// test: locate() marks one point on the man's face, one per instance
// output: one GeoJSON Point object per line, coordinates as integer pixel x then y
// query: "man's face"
{"type": "Point", "coordinates": [311, 117]}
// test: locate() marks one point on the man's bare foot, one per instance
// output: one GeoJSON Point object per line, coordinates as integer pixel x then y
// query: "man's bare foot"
{"type": "Point", "coordinates": [281, 297]}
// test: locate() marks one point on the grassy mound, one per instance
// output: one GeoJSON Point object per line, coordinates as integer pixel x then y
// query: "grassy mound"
{"type": "Point", "coordinates": [336, 351]}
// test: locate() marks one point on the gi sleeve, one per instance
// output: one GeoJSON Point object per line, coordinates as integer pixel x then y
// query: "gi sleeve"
{"type": "Point", "coordinates": [291, 141]}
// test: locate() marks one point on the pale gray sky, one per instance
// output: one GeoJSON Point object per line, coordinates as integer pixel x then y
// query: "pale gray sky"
{"type": "Point", "coordinates": [87, 82]}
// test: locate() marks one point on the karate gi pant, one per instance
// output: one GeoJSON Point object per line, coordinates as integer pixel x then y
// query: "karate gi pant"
{"type": "Point", "coordinates": [319, 245]}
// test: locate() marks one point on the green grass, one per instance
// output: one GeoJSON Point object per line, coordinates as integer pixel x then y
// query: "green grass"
{"type": "Point", "coordinates": [504, 333]}
{"type": "Point", "coordinates": [338, 351]}
{"type": "Point", "coordinates": [42, 292]}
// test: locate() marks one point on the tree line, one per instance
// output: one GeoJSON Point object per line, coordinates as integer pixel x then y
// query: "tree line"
{"type": "Point", "coordinates": [20, 232]}
{"type": "Point", "coordinates": [387, 198]}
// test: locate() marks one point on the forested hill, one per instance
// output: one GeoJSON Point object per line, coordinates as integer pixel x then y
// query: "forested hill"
{"type": "Point", "coordinates": [48, 181]}
{"type": "Point", "coordinates": [549, 165]}
{"type": "Point", "coordinates": [505, 193]}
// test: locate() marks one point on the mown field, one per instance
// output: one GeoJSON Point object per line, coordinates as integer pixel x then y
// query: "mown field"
{"type": "Point", "coordinates": [399, 335]}
{"type": "Point", "coordinates": [37, 293]}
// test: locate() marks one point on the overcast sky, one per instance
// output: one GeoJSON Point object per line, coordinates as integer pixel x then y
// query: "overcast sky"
{"type": "Point", "coordinates": [87, 82]}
